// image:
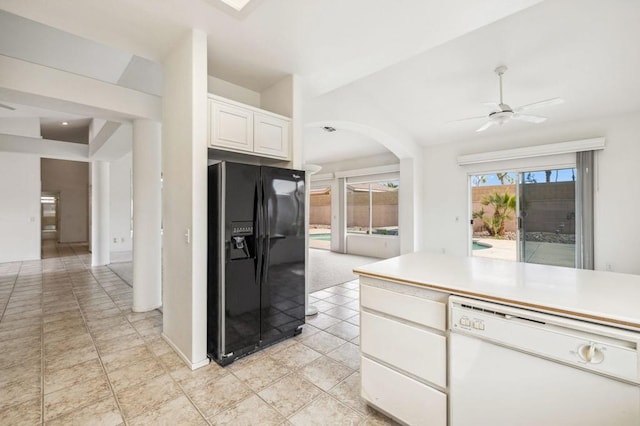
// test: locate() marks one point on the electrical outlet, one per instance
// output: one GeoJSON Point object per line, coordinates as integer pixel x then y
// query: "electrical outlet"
{"type": "Point", "coordinates": [122, 239]}
{"type": "Point", "coordinates": [115, 240]}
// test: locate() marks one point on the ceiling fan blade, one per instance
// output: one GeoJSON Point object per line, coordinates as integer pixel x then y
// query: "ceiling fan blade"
{"type": "Point", "coordinates": [468, 118]}
{"type": "Point", "coordinates": [530, 118]}
{"type": "Point", "coordinates": [5, 106]}
{"type": "Point", "coordinates": [485, 126]}
{"type": "Point", "coordinates": [545, 103]}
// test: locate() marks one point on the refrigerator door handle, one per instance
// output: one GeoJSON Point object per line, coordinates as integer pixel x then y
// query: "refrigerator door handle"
{"type": "Point", "coordinates": [259, 234]}
{"type": "Point", "coordinates": [265, 232]}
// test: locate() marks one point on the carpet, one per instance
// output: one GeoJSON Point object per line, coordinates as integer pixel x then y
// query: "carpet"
{"type": "Point", "coordinates": [328, 268]}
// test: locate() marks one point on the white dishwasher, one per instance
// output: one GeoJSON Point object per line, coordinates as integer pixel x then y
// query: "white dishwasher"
{"type": "Point", "coordinates": [512, 366]}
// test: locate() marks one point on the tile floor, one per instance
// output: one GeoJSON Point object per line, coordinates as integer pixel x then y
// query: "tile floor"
{"type": "Point", "coordinates": [73, 352]}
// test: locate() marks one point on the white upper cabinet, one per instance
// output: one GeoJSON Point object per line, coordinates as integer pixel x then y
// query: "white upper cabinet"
{"type": "Point", "coordinates": [242, 128]}
{"type": "Point", "coordinates": [271, 135]}
{"type": "Point", "coordinates": [231, 127]}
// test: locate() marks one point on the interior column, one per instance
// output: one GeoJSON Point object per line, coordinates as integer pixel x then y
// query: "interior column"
{"type": "Point", "coordinates": [147, 210]}
{"type": "Point", "coordinates": [100, 213]}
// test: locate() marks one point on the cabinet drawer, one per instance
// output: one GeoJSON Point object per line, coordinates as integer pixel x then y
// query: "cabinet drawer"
{"type": "Point", "coordinates": [422, 311]}
{"type": "Point", "coordinates": [406, 399]}
{"type": "Point", "coordinates": [409, 348]}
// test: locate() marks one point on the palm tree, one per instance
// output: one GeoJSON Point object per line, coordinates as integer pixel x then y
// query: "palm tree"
{"type": "Point", "coordinates": [503, 205]}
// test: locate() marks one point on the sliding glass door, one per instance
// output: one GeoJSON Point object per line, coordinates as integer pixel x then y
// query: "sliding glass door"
{"type": "Point", "coordinates": [525, 216]}
{"type": "Point", "coordinates": [547, 217]}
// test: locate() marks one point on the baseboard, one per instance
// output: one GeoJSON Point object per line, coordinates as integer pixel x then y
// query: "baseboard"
{"type": "Point", "coordinates": [193, 366]}
{"type": "Point", "coordinates": [151, 308]}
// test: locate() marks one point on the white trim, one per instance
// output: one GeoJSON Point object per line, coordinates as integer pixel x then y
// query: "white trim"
{"type": "Point", "coordinates": [322, 176]}
{"type": "Point", "coordinates": [369, 171]}
{"type": "Point", "coordinates": [191, 365]}
{"type": "Point", "coordinates": [533, 151]}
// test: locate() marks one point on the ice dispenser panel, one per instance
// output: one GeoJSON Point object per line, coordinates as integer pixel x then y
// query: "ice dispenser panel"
{"type": "Point", "coordinates": [242, 244]}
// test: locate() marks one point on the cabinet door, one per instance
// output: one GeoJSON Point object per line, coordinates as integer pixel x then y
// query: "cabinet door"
{"type": "Point", "coordinates": [271, 136]}
{"type": "Point", "coordinates": [231, 127]}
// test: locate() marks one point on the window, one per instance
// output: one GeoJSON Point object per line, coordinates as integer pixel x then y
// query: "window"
{"type": "Point", "coordinates": [372, 208]}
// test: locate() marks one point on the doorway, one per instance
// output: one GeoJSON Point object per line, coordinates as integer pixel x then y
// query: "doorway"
{"type": "Point", "coordinates": [49, 218]}
{"type": "Point", "coordinates": [525, 216]}
{"type": "Point", "coordinates": [320, 218]}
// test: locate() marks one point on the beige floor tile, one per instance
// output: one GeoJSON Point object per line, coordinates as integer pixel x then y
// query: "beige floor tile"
{"type": "Point", "coordinates": [120, 359]}
{"type": "Point", "coordinates": [26, 413]}
{"type": "Point", "coordinates": [323, 342]}
{"type": "Point", "coordinates": [325, 372]}
{"type": "Point", "coordinates": [69, 342]}
{"type": "Point", "coordinates": [104, 412]}
{"type": "Point", "coordinates": [200, 377]}
{"type": "Point", "coordinates": [323, 306]}
{"type": "Point", "coordinates": [307, 330]}
{"type": "Point", "coordinates": [99, 324]}
{"type": "Point", "coordinates": [219, 395]}
{"type": "Point", "coordinates": [290, 394]}
{"type": "Point", "coordinates": [137, 316]}
{"type": "Point", "coordinates": [69, 399]}
{"type": "Point", "coordinates": [325, 410]}
{"type": "Point", "coordinates": [75, 313]}
{"type": "Point", "coordinates": [375, 418]}
{"type": "Point", "coordinates": [28, 372]}
{"type": "Point", "coordinates": [348, 354]}
{"type": "Point", "coordinates": [106, 334]}
{"type": "Point", "coordinates": [19, 355]}
{"type": "Point", "coordinates": [321, 294]}
{"type": "Point", "coordinates": [355, 320]}
{"type": "Point", "coordinates": [355, 305]}
{"type": "Point", "coordinates": [16, 392]}
{"type": "Point", "coordinates": [251, 411]}
{"type": "Point", "coordinates": [74, 321]}
{"type": "Point", "coordinates": [21, 343]}
{"type": "Point", "coordinates": [261, 373]}
{"type": "Point", "coordinates": [59, 379]}
{"type": "Point", "coordinates": [67, 333]}
{"type": "Point", "coordinates": [341, 312]}
{"type": "Point", "coordinates": [158, 346]}
{"type": "Point", "coordinates": [69, 358]}
{"type": "Point", "coordinates": [348, 392]}
{"type": "Point", "coordinates": [322, 321]}
{"type": "Point", "coordinates": [138, 372]}
{"type": "Point", "coordinates": [119, 343]}
{"type": "Point", "coordinates": [178, 411]}
{"type": "Point", "coordinates": [7, 324]}
{"type": "Point", "coordinates": [344, 330]}
{"type": "Point", "coordinates": [296, 356]}
{"type": "Point", "coordinates": [139, 399]}
{"type": "Point", "coordinates": [338, 299]}
{"type": "Point", "coordinates": [172, 361]}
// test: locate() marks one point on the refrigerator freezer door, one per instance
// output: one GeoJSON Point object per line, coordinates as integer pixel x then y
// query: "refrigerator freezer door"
{"type": "Point", "coordinates": [283, 279]}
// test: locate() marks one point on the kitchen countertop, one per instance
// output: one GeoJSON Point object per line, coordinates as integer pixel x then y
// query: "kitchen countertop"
{"type": "Point", "coordinates": [603, 297]}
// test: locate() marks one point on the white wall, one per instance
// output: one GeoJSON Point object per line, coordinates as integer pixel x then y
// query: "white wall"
{"type": "Point", "coordinates": [120, 242]}
{"type": "Point", "coordinates": [617, 235]}
{"type": "Point", "coordinates": [20, 126]}
{"type": "Point", "coordinates": [20, 207]}
{"type": "Point", "coordinates": [184, 198]}
{"type": "Point", "coordinates": [383, 247]}
{"type": "Point", "coordinates": [71, 180]}
{"type": "Point", "coordinates": [232, 91]}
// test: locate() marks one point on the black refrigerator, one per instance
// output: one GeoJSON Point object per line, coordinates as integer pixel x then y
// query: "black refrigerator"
{"type": "Point", "coordinates": [256, 258]}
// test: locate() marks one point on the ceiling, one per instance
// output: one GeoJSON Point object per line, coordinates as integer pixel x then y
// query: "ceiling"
{"type": "Point", "coordinates": [421, 63]}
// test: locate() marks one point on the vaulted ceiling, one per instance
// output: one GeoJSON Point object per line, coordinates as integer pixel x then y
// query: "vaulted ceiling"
{"type": "Point", "coordinates": [421, 63]}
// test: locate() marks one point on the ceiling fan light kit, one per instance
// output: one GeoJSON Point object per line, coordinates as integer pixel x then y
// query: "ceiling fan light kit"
{"type": "Point", "coordinates": [503, 113]}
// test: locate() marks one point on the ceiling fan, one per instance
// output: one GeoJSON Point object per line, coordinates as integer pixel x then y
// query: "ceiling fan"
{"type": "Point", "coordinates": [10, 108]}
{"type": "Point", "coordinates": [502, 112]}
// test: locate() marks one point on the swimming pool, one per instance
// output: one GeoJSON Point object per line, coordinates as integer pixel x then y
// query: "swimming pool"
{"type": "Point", "coordinates": [480, 246]}
{"type": "Point", "coordinates": [321, 237]}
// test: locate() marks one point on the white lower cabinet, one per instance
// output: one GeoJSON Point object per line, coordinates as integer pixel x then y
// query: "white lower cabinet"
{"type": "Point", "coordinates": [403, 345]}
{"type": "Point", "coordinates": [408, 400]}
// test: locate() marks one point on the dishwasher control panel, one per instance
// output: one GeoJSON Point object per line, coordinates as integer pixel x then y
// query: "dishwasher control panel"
{"type": "Point", "coordinates": [594, 347]}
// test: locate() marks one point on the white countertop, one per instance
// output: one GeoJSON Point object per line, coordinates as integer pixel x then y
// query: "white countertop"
{"type": "Point", "coordinates": [604, 297]}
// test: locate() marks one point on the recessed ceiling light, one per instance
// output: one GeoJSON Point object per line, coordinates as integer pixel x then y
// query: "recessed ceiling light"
{"type": "Point", "coordinates": [65, 123]}
{"type": "Point", "coordinates": [329, 129]}
{"type": "Point", "coordinates": [236, 4]}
